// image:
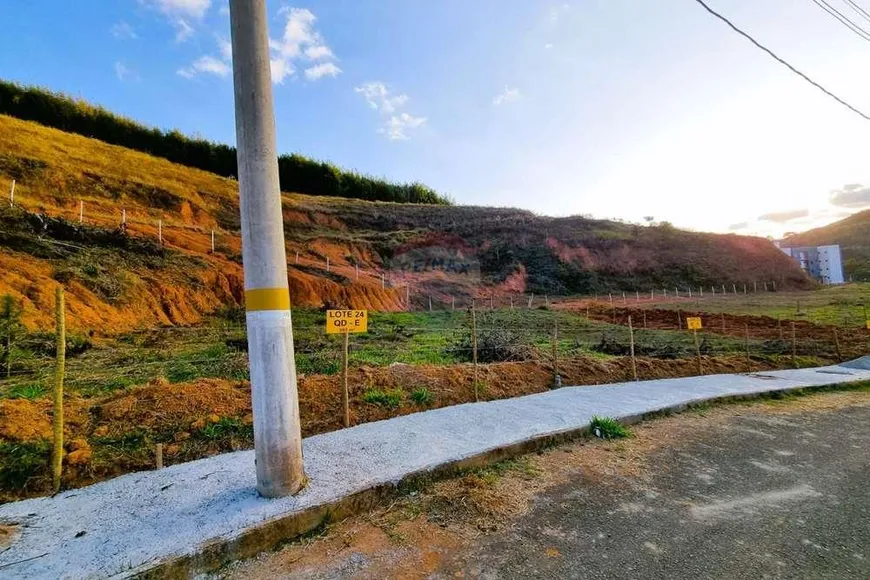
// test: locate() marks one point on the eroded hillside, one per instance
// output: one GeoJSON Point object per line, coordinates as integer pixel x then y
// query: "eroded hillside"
{"type": "Point", "coordinates": [340, 252]}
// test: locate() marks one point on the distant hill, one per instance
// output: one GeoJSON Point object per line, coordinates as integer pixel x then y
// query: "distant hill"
{"type": "Point", "coordinates": [853, 236]}
{"type": "Point", "coordinates": [118, 279]}
{"type": "Point", "coordinates": [297, 173]}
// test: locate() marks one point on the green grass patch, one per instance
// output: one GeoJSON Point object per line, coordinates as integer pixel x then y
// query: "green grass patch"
{"type": "Point", "coordinates": [21, 463]}
{"type": "Point", "coordinates": [422, 397]}
{"type": "Point", "coordinates": [226, 427]}
{"type": "Point", "coordinates": [31, 392]}
{"type": "Point", "coordinates": [608, 428]}
{"type": "Point", "coordinates": [391, 399]}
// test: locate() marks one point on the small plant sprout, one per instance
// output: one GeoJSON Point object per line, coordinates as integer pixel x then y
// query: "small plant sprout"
{"type": "Point", "coordinates": [608, 428]}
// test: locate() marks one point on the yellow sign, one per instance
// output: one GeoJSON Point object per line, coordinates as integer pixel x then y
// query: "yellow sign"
{"type": "Point", "coordinates": [868, 325]}
{"type": "Point", "coordinates": [344, 321]}
{"type": "Point", "coordinates": [693, 322]}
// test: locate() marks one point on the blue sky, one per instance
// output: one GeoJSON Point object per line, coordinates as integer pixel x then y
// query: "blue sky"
{"type": "Point", "coordinates": [614, 108]}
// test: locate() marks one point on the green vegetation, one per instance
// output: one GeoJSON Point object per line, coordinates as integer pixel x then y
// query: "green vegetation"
{"type": "Point", "coordinates": [218, 350]}
{"type": "Point", "coordinates": [422, 397]}
{"type": "Point", "coordinates": [391, 399]}
{"type": "Point", "coordinates": [22, 463]}
{"type": "Point", "coordinates": [608, 428]}
{"type": "Point", "coordinates": [298, 174]}
{"type": "Point", "coordinates": [844, 305]}
{"type": "Point", "coordinates": [10, 329]}
{"type": "Point", "coordinates": [226, 427]}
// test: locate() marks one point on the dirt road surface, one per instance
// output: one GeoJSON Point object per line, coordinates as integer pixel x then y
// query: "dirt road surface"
{"type": "Point", "coordinates": [771, 489]}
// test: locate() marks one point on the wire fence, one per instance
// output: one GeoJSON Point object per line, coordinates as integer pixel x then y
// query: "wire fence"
{"type": "Point", "coordinates": [546, 338]}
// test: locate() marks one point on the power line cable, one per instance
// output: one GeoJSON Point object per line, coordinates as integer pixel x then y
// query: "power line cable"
{"type": "Point", "coordinates": [781, 61]}
{"type": "Point", "coordinates": [843, 19]}
{"type": "Point", "coordinates": [857, 8]}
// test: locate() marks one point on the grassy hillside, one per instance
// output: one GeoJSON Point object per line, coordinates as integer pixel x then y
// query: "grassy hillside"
{"type": "Point", "coordinates": [853, 236]}
{"type": "Point", "coordinates": [297, 173]}
{"type": "Point", "coordinates": [120, 279]}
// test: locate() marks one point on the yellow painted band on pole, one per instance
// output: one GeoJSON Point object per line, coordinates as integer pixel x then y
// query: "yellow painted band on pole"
{"type": "Point", "coordinates": [258, 299]}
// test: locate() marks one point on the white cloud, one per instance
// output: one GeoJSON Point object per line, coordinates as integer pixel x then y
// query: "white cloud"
{"type": "Point", "coordinates": [281, 69]}
{"type": "Point", "coordinates": [396, 126]}
{"type": "Point", "coordinates": [301, 41]}
{"type": "Point", "coordinates": [507, 96]}
{"type": "Point", "coordinates": [225, 47]}
{"type": "Point", "coordinates": [379, 98]}
{"type": "Point", "coordinates": [125, 73]}
{"type": "Point", "coordinates": [124, 31]}
{"type": "Point", "coordinates": [191, 8]}
{"type": "Point", "coordinates": [205, 64]}
{"type": "Point", "coordinates": [322, 70]}
{"type": "Point", "coordinates": [318, 52]}
{"type": "Point", "coordinates": [548, 46]}
{"type": "Point", "coordinates": [183, 30]}
{"type": "Point", "coordinates": [180, 13]}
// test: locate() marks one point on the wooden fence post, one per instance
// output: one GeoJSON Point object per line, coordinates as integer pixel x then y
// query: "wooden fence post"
{"type": "Point", "coordinates": [631, 343]}
{"type": "Point", "coordinates": [158, 456]}
{"type": "Point", "coordinates": [837, 346]}
{"type": "Point", "coordinates": [698, 351]}
{"type": "Point", "coordinates": [793, 345]}
{"type": "Point", "coordinates": [557, 380]}
{"type": "Point", "coordinates": [57, 419]}
{"type": "Point", "coordinates": [345, 395]}
{"type": "Point", "coordinates": [746, 331]}
{"type": "Point", "coordinates": [12, 194]}
{"type": "Point", "coordinates": [474, 348]}
{"type": "Point", "coordinates": [779, 326]}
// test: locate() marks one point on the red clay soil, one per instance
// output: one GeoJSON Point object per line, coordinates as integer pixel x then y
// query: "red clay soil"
{"type": "Point", "coordinates": [188, 417]}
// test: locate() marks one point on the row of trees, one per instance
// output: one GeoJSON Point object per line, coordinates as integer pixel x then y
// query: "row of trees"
{"type": "Point", "coordinates": [298, 174]}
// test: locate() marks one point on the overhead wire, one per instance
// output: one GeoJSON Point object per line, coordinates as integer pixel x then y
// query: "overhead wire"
{"type": "Point", "coordinates": [842, 19]}
{"type": "Point", "coordinates": [780, 60]}
{"type": "Point", "coordinates": [857, 8]}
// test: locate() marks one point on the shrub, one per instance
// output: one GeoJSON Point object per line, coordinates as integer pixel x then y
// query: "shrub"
{"type": "Point", "coordinates": [494, 344]}
{"type": "Point", "coordinates": [389, 399]}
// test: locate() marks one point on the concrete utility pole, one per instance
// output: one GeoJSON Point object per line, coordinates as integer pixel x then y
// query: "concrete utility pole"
{"type": "Point", "coordinates": [277, 436]}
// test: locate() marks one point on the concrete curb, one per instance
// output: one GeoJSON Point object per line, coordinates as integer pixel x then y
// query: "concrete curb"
{"type": "Point", "coordinates": [196, 517]}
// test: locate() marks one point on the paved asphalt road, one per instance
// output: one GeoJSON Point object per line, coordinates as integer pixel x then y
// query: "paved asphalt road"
{"type": "Point", "coordinates": [760, 496]}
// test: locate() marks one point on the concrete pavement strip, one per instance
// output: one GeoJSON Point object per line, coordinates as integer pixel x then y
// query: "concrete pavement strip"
{"type": "Point", "coordinates": [196, 516]}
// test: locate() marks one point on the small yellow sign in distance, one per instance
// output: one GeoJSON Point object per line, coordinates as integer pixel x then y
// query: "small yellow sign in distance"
{"type": "Point", "coordinates": [868, 325]}
{"type": "Point", "coordinates": [693, 322]}
{"type": "Point", "coordinates": [345, 321]}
